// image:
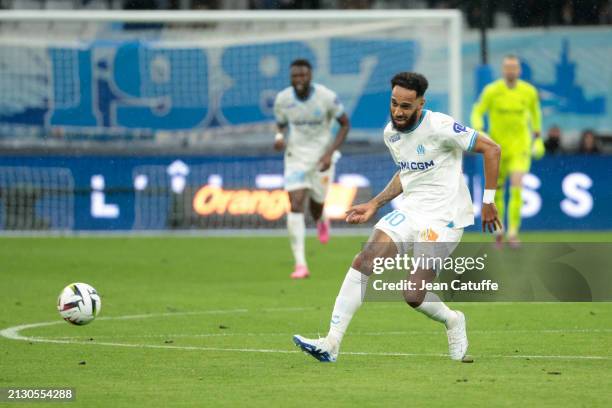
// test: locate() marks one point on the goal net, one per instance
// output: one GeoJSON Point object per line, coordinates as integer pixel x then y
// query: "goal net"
{"type": "Point", "coordinates": [205, 80]}
{"type": "Point", "coordinates": [36, 198]}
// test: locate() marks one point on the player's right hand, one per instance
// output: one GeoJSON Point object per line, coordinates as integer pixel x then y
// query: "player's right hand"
{"type": "Point", "coordinates": [537, 148]}
{"type": "Point", "coordinates": [279, 145]}
{"type": "Point", "coordinates": [490, 220]}
{"type": "Point", "coordinates": [360, 213]}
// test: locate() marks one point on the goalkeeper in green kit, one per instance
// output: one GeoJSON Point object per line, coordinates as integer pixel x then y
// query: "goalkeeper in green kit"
{"type": "Point", "coordinates": [514, 113]}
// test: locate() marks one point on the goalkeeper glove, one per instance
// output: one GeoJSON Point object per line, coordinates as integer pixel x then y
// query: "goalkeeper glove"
{"type": "Point", "coordinates": [537, 148]}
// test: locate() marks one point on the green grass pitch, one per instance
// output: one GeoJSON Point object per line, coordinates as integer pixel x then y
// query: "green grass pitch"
{"type": "Point", "coordinates": [213, 318]}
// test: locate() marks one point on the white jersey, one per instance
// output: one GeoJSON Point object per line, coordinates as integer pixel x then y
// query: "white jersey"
{"type": "Point", "coordinates": [309, 122]}
{"type": "Point", "coordinates": [429, 157]}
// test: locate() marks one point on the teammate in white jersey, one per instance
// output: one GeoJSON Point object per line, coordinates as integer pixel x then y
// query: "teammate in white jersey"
{"type": "Point", "coordinates": [307, 111]}
{"type": "Point", "coordinates": [428, 148]}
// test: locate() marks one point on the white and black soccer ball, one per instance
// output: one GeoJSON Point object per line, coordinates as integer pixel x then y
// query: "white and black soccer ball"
{"type": "Point", "coordinates": [79, 303]}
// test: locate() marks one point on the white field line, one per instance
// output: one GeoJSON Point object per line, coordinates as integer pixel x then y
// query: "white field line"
{"type": "Point", "coordinates": [165, 314]}
{"type": "Point", "coordinates": [13, 333]}
{"type": "Point", "coordinates": [381, 333]}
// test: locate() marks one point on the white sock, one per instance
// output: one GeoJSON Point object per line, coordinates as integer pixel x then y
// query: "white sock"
{"type": "Point", "coordinates": [297, 228]}
{"type": "Point", "coordinates": [435, 309]}
{"type": "Point", "coordinates": [348, 301]}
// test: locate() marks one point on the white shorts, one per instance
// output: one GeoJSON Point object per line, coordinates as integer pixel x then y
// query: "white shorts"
{"type": "Point", "coordinates": [298, 177]}
{"type": "Point", "coordinates": [419, 236]}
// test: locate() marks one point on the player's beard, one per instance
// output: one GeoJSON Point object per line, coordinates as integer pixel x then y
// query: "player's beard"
{"type": "Point", "coordinates": [304, 92]}
{"type": "Point", "coordinates": [409, 123]}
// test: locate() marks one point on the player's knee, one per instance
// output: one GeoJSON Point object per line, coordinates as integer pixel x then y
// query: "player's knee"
{"type": "Point", "coordinates": [297, 206]}
{"type": "Point", "coordinates": [413, 294]}
{"type": "Point", "coordinates": [358, 262]}
{"type": "Point", "coordinates": [414, 298]}
{"type": "Point", "coordinates": [363, 262]}
{"type": "Point", "coordinates": [296, 201]}
{"type": "Point", "coordinates": [316, 209]}
{"type": "Point", "coordinates": [516, 182]}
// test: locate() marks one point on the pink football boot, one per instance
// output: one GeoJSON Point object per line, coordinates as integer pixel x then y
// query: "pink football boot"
{"type": "Point", "coordinates": [301, 272]}
{"type": "Point", "coordinates": [323, 231]}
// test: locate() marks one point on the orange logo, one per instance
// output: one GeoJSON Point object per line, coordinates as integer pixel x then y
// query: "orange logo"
{"type": "Point", "coordinates": [338, 200]}
{"type": "Point", "coordinates": [269, 204]}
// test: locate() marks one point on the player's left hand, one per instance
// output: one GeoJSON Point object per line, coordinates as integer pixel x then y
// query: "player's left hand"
{"type": "Point", "coordinates": [325, 162]}
{"type": "Point", "coordinates": [360, 213]}
{"type": "Point", "coordinates": [490, 219]}
{"type": "Point", "coordinates": [537, 148]}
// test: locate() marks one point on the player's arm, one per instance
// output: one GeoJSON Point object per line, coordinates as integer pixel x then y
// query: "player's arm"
{"type": "Point", "coordinates": [279, 137]}
{"type": "Point", "coordinates": [535, 114]}
{"type": "Point", "coordinates": [480, 108]}
{"type": "Point", "coordinates": [491, 153]}
{"type": "Point", "coordinates": [360, 213]}
{"type": "Point", "coordinates": [326, 159]}
{"type": "Point", "coordinates": [281, 124]}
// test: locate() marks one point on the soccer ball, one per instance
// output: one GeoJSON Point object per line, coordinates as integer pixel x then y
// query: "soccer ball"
{"type": "Point", "coordinates": [79, 303]}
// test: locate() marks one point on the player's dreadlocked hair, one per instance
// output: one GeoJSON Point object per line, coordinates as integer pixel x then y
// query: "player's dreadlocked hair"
{"type": "Point", "coordinates": [301, 63]}
{"type": "Point", "coordinates": [412, 81]}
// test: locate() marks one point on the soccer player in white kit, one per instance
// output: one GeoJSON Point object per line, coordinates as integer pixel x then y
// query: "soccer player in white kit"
{"type": "Point", "coordinates": [427, 148]}
{"type": "Point", "coordinates": [308, 111]}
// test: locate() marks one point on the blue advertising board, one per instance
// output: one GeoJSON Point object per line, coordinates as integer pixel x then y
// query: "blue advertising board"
{"type": "Point", "coordinates": [163, 192]}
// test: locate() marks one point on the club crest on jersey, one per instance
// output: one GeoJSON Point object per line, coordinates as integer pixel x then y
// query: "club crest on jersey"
{"type": "Point", "coordinates": [458, 127]}
{"type": "Point", "coordinates": [394, 137]}
{"type": "Point", "coordinates": [420, 150]}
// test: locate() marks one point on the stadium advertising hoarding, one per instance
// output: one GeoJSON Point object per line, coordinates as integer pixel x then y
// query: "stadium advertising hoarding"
{"type": "Point", "coordinates": [219, 192]}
